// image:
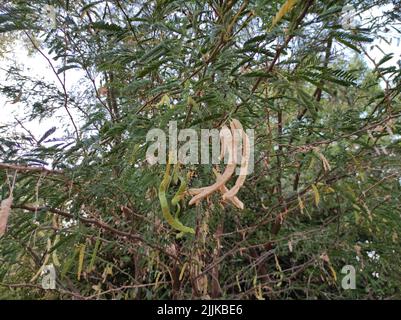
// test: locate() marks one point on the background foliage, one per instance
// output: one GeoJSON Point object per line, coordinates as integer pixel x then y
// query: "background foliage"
{"type": "Point", "coordinates": [326, 186]}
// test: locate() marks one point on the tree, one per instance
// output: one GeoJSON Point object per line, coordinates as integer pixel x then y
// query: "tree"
{"type": "Point", "coordinates": [326, 182]}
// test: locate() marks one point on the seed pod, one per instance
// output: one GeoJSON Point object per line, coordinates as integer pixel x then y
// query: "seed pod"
{"type": "Point", "coordinates": [229, 171]}
{"type": "Point", "coordinates": [174, 222]}
{"type": "Point", "coordinates": [246, 153]}
{"type": "Point", "coordinates": [5, 210]}
{"type": "Point", "coordinates": [229, 142]}
{"type": "Point", "coordinates": [223, 189]}
{"type": "Point", "coordinates": [234, 200]}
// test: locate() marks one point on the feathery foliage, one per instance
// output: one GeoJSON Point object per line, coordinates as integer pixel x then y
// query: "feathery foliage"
{"type": "Point", "coordinates": [326, 183]}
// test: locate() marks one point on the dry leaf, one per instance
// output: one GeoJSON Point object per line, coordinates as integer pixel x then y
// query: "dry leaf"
{"type": "Point", "coordinates": [317, 194]}
{"type": "Point", "coordinates": [290, 246]}
{"type": "Point", "coordinates": [325, 257]}
{"type": "Point", "coordinates": [358, 249]}
{"type": "Point", "coordinates": [81, 260]}
{"type": "Point", "coordinates": [285, 8]}
{"type": "Point", "coordinates": [103, 91]}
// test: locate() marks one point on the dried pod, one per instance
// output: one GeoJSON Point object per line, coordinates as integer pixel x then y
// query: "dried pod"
{"type": "Point", "coordinates": [229, 171]}
{"type": "Point", "coordinates": [234, 200]}
{"type": "Point", "coordinates": [229, 142]}
{"type": "Point", "coordinates": [223, 189]}
{"type": "Point", "coordinates": [246, 153]}
{"type": "Point", "coordinates": [5, 210]}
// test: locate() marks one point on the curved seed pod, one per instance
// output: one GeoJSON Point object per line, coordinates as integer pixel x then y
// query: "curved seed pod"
{"type": "Point", "coordinates": [195, 191]}
{"type": "Point", "coordinates": [207, 191]}
{"type": "Point", "coordinates": [246, 153]}
{"type": "Point", "coordinates": [175, 223]}
{"type": "Point", "coordinates": [229, 171]}
{"type": "Point", "coordinates": [180, 193]}
{"type": "Point", "coordinates": [236, 132]}
{"type": "Point", "coordinates": [223, 189]}
{"type": "Point", "coordinates": [5, 209]}
{"type": "Point", "coordinates": [234, 200]}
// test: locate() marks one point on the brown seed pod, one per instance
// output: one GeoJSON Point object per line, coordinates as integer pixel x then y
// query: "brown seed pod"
{"type": "Point", "coordinates": [234, 200]}
{"type": "Point", "coordinates": [229, 140]}
{"type": "Point", "coordinates": [246, 153]}
{"type": "Point", "coordinates": [223, 189]}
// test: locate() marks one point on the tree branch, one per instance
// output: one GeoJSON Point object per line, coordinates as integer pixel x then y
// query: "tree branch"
{"type": "Point", "coordinates": [21, 168]}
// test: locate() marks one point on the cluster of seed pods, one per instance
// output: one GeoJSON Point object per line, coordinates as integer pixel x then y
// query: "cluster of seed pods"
{"type": "Point", "coordinates": [230, 141]}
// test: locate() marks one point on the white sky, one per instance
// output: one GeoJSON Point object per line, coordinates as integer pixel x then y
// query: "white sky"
{"type": "Point", "coordinates": [36, 66]}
